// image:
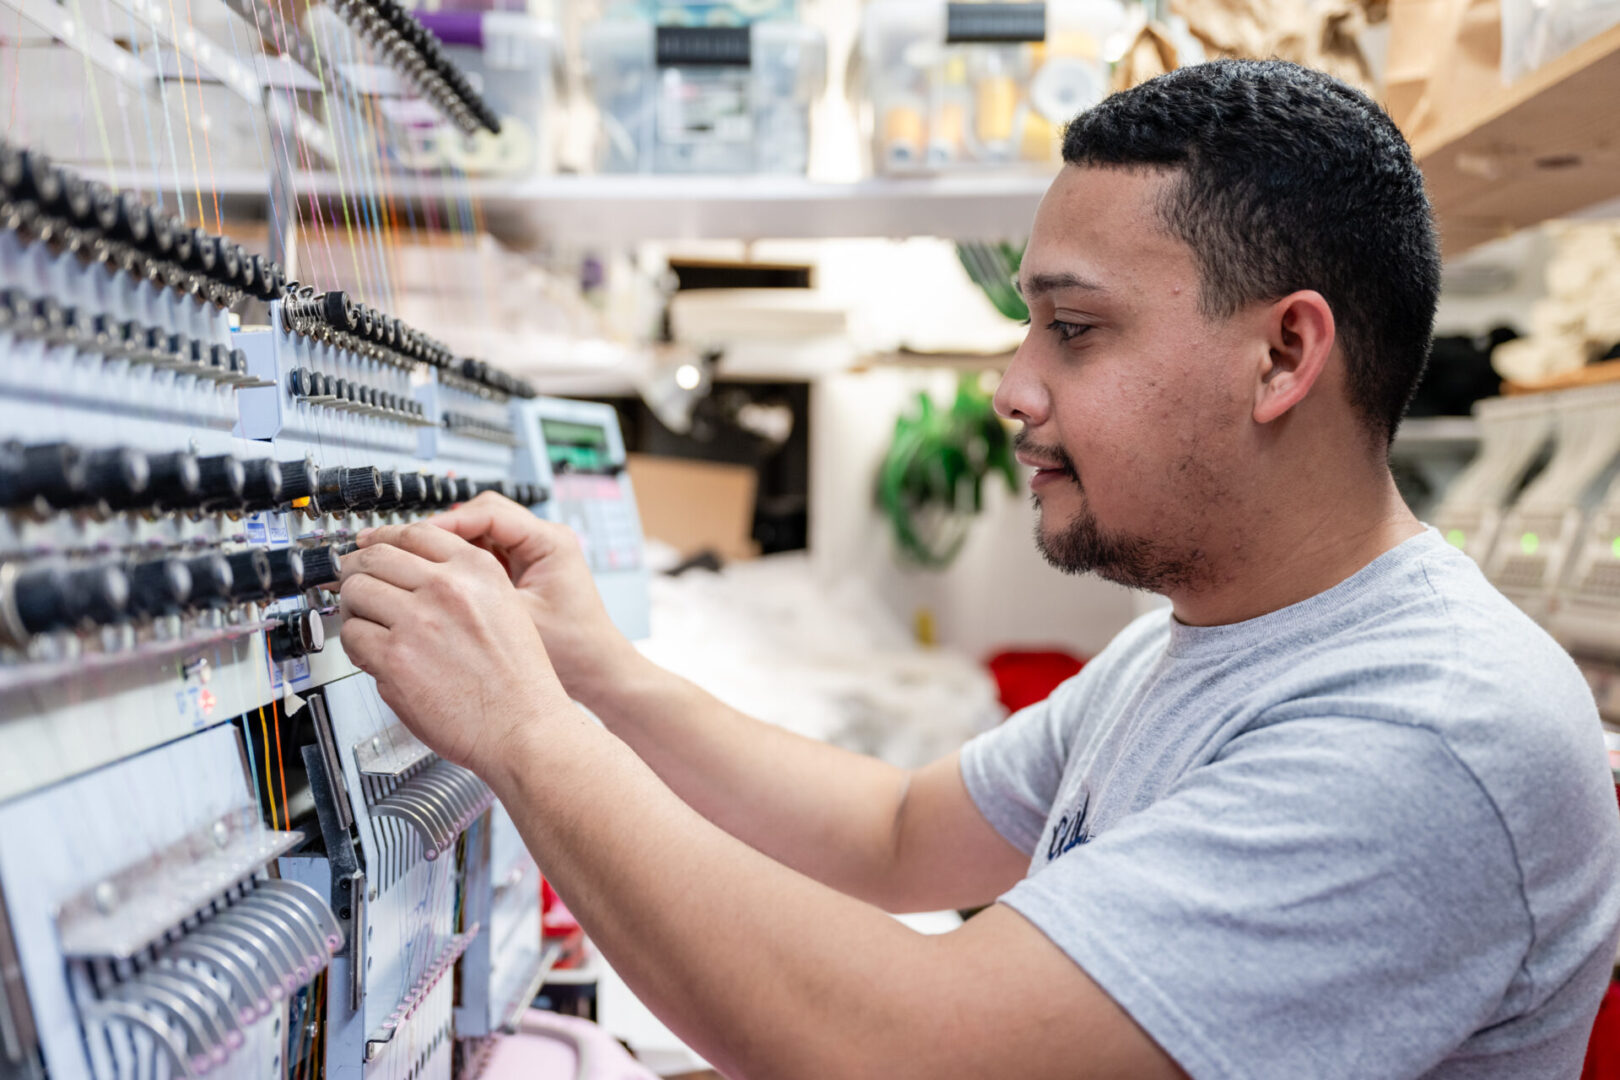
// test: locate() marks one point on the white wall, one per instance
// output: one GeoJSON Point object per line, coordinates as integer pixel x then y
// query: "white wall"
{"type": "Point", "coordinates": [999, 592]}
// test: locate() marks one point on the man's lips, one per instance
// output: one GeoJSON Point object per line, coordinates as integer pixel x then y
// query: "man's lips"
{"type": "Point", "coordinates": [1039, 463]}
{"type": "Point", "coordinates": [1044, 469]}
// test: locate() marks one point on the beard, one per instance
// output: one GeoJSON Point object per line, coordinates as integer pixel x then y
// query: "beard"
{"type": "Point", "coordinates": [1082, 545]}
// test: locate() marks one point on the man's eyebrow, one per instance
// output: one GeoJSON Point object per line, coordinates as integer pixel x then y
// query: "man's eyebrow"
{"type": "Point", "coordinates": [1039, 284]}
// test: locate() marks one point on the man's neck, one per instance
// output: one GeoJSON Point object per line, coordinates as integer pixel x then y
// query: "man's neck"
{"type": "Point", "coordinates": [1290, 557]}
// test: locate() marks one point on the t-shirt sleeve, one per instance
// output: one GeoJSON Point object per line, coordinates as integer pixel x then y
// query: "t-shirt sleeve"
{"type": "Point", "coordinates": [1299, 907]}
{"type": "Point", "coordinates": [1013, 771]}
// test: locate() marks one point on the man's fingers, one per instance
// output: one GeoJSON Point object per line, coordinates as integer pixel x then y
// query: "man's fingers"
{"type": "Point", "coordinates": [501, 523]}
{"type": "Point", "coordinates": [419, 538]}
{"type": "Point", "coordinates": [364, 642]}
{"type": "Point", "coordinates": [389, 563]}
{"type": "Point", "coordinates": [374, 600]}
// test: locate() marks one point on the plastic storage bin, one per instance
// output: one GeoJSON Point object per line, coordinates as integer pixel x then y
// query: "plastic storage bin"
{"type": "Point", "coordinates": [708, 12]}
{"type": "Point", "coordinates": [691, 99]}
{"type": "Point", "coordinates": [512, 59]}
{"type": "Point", "coordinates": [1535, 32]}
{"type": "Point", "coordinates": [950, 86]}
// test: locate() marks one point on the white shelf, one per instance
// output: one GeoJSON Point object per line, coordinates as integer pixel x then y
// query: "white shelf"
{"type": "Point", "coordinates": [585, 975]}
{"type": "Point", "coordinates": [615, 210]}
{"type": "Point", "coordinates": [1427, 432]}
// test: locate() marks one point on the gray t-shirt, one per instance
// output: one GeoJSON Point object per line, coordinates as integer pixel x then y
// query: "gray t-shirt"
{"type": "Point", "coordinates": [1369, 835]}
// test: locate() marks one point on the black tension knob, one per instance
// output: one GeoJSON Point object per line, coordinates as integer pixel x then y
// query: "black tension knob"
{"type": "Point", "coordinates": [174, 482]}
{"type": "Point", "coordinates": [212, 581]}
{"type": "Point", "coordinates": [393, 491]}
{"type": "Point", "coordinates": [76, 201]}
{"type": "Point", "coordinates": [36, 178]}
{"type": "Point", "coordinates": [466, 490]}
{"type": "Point", "coordinates": [338, 311]}
{"type": "Point", "coordinates": [160, 587]}
{"type": "Point", "coordinates": [246, 277]}
{"type": "Point", "coordinates": [286, 571]}
{"type": "Point", "coordinates": [204, 252]}
{"type": "Point", "coordinates": [260, 269]}
{"type": "Point", "coordinates": [250, 575]}
{"type": "Point", "coordinates": [348, 488]}
{"type": "Point", "coordinates": [119, 476]}
{"type": "Point", "coordinates": [298, 480]}
{"type": "Point", "coordinates": [320, 566]}
{"type": "Point", "coordinates": [124, 218]}
{"type": "Point", "coordinates": [413, 490]}
{"type": "Point", "coordinates": [261, 484]}
{"type": "Point", "coordinates": [57, 599]}
{"type": "Point", "coordinates": [301, 634]}
{"type": "Point", "coordinates": [160, 241]}
{"type": "Point", "coordinates": [54, 472]}
{"type": "Point", "coordinates": [184, 240]}
{"type": "Point", "coordinates": [229, 266]}
{"type": "Point", "coordinates": [435, 495]}
{"type": "Point", "coordinates": [224, 480]}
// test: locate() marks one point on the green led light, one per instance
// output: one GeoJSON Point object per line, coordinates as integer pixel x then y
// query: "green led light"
{"type": "Point", "coordinates": [1615, 547]}
{"type": "Point", "coordinates": [1458, 539]}
{"type": "Point", "coordinates": [1529, 543]}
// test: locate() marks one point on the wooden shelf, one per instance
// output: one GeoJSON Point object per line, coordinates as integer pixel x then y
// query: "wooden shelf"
{"type": "Point", "coordinates": [1601, 373]}
{"type": "Point", "coordinates": [1430, 432]}
{"type": "Point", "coordinates": [1543, 147]}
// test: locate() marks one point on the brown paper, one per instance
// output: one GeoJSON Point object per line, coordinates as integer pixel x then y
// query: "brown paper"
{"type": "Point", "coordinates": [1445, 56]}
{"type": "Point", "coordinates": [1149, 56]}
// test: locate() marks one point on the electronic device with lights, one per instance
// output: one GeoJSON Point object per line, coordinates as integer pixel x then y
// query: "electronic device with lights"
{"type": "Point", "coordinates": [575, 450]}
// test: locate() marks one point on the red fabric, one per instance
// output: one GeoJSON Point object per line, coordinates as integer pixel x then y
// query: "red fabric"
{"type": "Point", "coordinates": [1603, 1052]}
{"type": "Point", "coordinates": [1024, 677]}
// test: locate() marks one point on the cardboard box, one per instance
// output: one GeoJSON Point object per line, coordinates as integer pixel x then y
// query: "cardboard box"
{"type": "Point", "coordinates": [695, 506]}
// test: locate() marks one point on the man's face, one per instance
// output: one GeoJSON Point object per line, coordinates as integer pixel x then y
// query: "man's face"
{"type": "Point", "coordinates": [1136, 407]}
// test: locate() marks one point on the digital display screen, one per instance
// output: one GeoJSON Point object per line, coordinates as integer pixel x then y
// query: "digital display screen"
{"type": "Point", "coordinates": [575, 447]}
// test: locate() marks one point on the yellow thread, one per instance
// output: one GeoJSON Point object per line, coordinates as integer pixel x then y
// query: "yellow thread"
{"type": "Point", "coordinates": [95, 104]}
{"type": "Point", "coordinates": [185, 111]}
{"type": "Point", "coordinates": [202, 110]}
{"type": "Point", "coordinates": [270, 788]}
{"type": "Point", "coordinates": [337, 162]}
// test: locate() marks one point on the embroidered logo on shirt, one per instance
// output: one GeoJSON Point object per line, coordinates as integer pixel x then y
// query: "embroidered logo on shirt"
{"type": "Point", "coordinates": [1070, 831]}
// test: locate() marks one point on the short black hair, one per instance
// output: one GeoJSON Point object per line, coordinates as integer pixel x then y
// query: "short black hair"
{"type": "Point", "coordinates": [1289, 179]}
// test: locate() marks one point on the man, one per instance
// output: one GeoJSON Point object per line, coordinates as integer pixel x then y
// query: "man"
{"type": "Point", "coordinates": [1342, 812]}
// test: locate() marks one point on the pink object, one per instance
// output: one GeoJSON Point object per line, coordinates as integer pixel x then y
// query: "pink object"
{"type": "Point", "coordinates": [549, 1046]}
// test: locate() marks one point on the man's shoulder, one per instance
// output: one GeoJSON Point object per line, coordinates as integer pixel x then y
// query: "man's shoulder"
{"type": "Point", "coordinates": [1439, 645]}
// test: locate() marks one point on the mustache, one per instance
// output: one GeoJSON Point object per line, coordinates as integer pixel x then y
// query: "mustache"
{"type": "Point", "coordinates": [1054, 453]}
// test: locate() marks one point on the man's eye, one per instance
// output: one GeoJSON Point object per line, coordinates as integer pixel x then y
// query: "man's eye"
{"type": "Point", "coordinates": [1067, 331]}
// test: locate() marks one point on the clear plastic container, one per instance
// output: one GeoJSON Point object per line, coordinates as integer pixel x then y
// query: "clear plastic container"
{"type": "Point", "coordinates": [704, 99]}
{"type": "Point", "coordinates": [960, 86]}
{"type": "Point", "coordinates": [1537, 31]}
{"type": "Point", "coordinates": [707, 12]}
{"type": "Point", "coordinates": [512, 59]}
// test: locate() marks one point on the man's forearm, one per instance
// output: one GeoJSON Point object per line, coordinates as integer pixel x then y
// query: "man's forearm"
{"type": "Point", "coordinates": [826, 812]}
{"type": "Point", "coordinates": [758, 968]}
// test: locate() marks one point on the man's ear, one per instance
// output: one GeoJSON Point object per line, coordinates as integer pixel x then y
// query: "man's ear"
{"type": "Point", "coordinates": [1300, 336]}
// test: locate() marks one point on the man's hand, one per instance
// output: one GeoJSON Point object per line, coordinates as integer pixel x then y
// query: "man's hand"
{"type": "Point", "coordinates": [548, 567]}
{"type": "Point", "coordinates": [434, 620]}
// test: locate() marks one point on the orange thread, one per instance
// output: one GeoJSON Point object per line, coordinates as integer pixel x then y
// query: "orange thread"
{"type": "Point", "coordinates": [269, 787]}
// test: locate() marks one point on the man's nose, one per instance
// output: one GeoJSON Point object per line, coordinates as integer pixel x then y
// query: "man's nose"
{"type": "Point", "coordinates": [1021, 395]}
